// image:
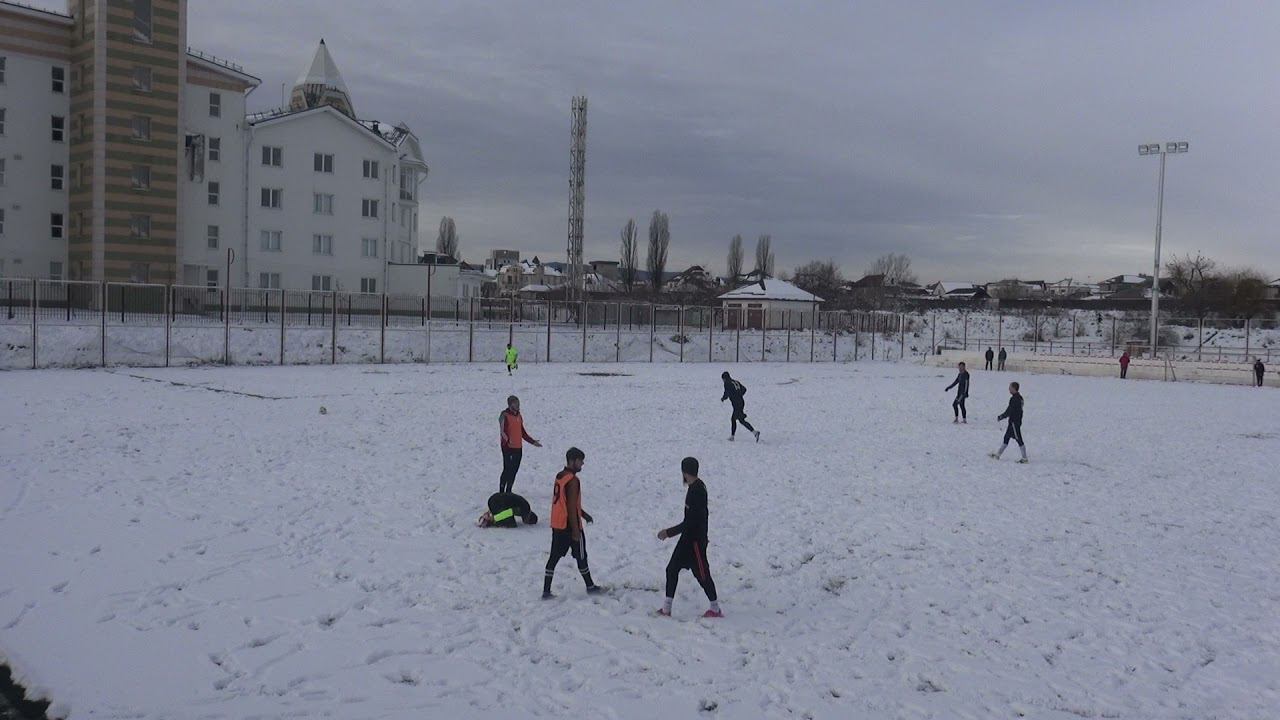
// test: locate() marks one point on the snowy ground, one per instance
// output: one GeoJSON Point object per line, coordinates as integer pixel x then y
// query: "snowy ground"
{"type": "Point", "coordinates": [202, 543]}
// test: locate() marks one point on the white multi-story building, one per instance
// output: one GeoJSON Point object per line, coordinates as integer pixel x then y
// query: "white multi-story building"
{"type": "Point", "coordinates": [124, 157]}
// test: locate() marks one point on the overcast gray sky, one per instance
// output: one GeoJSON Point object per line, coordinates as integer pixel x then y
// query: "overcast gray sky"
{"type": "Point", "coordinates": [984, 139]}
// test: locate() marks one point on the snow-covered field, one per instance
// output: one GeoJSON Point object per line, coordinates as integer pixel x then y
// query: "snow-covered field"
{"type": "Point", "coordinates": [203, 543]}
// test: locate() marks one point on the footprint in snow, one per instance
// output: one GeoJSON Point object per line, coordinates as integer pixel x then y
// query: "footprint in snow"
{"type": "Point", "coordinates": [61, 586]}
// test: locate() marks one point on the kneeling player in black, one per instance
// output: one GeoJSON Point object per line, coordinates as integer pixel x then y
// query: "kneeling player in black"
{"type": "Point", "coordinates": [691, 550]}
{"type": "Point", "coordinates": [504, 508]}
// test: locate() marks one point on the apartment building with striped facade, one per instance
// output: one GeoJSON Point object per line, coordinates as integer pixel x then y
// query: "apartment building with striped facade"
{"type": "Point", "coordinates": [127, 156]}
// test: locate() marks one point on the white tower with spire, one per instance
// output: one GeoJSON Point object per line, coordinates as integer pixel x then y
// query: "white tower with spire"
{"type": "Point", "coordinates": [322, 84]}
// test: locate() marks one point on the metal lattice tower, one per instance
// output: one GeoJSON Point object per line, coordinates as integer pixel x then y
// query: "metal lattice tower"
{"type": "Point", "coordinates": [577, 195]}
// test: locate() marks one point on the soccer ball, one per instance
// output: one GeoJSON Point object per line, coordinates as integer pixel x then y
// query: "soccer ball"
{"type": "Point", "coordinates": [323, 411]}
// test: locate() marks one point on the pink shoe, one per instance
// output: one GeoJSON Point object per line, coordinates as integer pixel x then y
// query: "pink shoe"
{"type": "Point", "coordinates": [712, 614]}
{"type": "Point", "coordinates": [663, 612]}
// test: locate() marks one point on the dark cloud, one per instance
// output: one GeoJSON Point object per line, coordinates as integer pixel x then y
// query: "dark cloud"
{"type": "Point", "coordinates": [985, 139]}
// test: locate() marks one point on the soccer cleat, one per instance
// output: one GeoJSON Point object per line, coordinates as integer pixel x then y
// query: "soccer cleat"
{"type": "Point", "coordinates": [757, 433]}
{"type": "Point", "coordinates": [712, 614]}
{"type": "Point", "coordinates": [594, 589]}
{"type": "Point", "coordinates": [964, 421]}
{"type": "Point", "coordinates": [994, 456]}
{"type": "Point", "coordinates": [730, 438]}
{"type": "Point", "coordinates": [1022, 461]}
{"type": "Point", "coordinates": [547, 596]}
{"type": "Point", "coordinates": [956, 421]}
{"type": "Point", "coordinates": [663, 612]}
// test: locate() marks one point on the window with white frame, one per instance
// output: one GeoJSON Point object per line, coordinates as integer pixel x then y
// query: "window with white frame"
{"type": "Point", "coordinates": [371, 169]}
{"type": "Point", "coordinates": [368, 208]}
{"type": "Point", "coordinates": [59, 79]}
{"type": "Point", "coordinates": [141, 127]}
{"type": "Point", "coordinates": [321, 282]}
{"type": "Point", "coordinates": [322, 203]}
{"type": "Point", "coordinates": [215, 192]}
{"type": "Point", "coordinates": [271, 240]}
{"type": "Point", "coordinates": [213, 234]}
{"type": "Point", "coordinates": [215, 149]}
{"type": "Point", "coordinates": [211, 278]}
{"type": "Point", "coordinates": [142, 20]}
{"type": "Point", "coordinates": [269, 280]}
{"type": "Point", "coordinates": [272, 198]}
{"type": "Point", "coordinates": [323, 163]}
{"type": "Point", "coordinates": [142, 78]}
{"type": "Point", "coordinates": [140, 226]}
{"type": "Point", "coordinates": [368, 285]}
{"type": "Point", "coordinates": [272, 156]}
{"type": "Point", "coordinates": [215, 105]}
{"type": "Point", "coordinates": [141, 177]}
{"type": "Point", "coordinates": [55, 225]}
{"type": "Point", "coordinates": [369, 247]}
{"type": "Point", "coordinates": [56, 178]}
{"type": "Point", "coordinates": [321, 244]}
{"type": "Point", "coordinates": [55, 270]}
{"type": "Point", "coordinates": [58, 128]}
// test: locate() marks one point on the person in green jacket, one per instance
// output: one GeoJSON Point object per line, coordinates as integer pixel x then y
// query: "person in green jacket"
{"type": "Point", "coordinates": [512, 359]}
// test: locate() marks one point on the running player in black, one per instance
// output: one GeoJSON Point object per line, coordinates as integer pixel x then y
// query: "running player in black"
{"type": "Point", "coordinates": [1014, 431]}
{"type": "Point", "coordinates": [733, 392]}
{"type": "Point", "coordinates": [691, 549]}
{"type": "Point", "coordinates": [962, 392]}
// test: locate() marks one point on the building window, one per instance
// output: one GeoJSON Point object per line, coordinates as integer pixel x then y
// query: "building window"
{"type": "Point", "coordinates": [371, 169]}
{"type": "Point", "coordinates": [1, 223]}
{"type": "Point", "coordinates": [2, 61]}
{"type": "Point", "coordinates": [142, 20]}
{"type": "Point", "coordinates": [215, 149]}
{"type": "Point", "coordinates": [140, 272]}
{"type": "Point", "coordinates": [321, 282]}
{"type": "Point", "coordinates": [142, 78]}
{"type": "Point", "coordinates": [272, 156]}
{"type": "Point", "coordinates": [368, 285]}
{"type": "Point", "coordinates": [323, 163]}
{"type": "Point", "coordinates": [140, 226]}
{"type": "Point", "coordinates": [1, 121]}
{"type": "Point", "coordinates": [369, 208]}
{"type": "Point", "coordinates": [55, 270]}
{"type": "Point", "coordinates": [213, 234]}
{"type": "Point", "coordinates": [215, 190]}
{"type": "Point", "coordinates": [211, 278]}
{"type": "Point", "coordinates": [55, 177]}
{"type": "Point", "coordinates": [55, 225]}
{"type": "Point", "coordinates": [323, 203]}
{"type": "Point", "coordinates": [269, 280]}
{"type": "Point", "coordinates": [141, 127]}
{"type": "Point", "coordinates": [215, 105]}
{"type": "Point", "coordinates": [84, 127]}
{"type": "Point", "coordinates": [321, 244]}
{"type": "Point", "coordinates": [271, 240]}
{"type": "Point", "coordinates": [2, 163]}
{"type": "Point", "coordinates": [59, 79]}
{"type": "Point", "coordinates": [369, 247]}
{"type": "Point", "coordinates": [272, 197]}
{"type": "Point", "coordinates": [141, 177]}
{"type": "Point", "coordinates": [58, 127]}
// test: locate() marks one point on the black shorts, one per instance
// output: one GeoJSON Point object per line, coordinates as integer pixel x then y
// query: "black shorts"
{"type": "Point", "coordinates": [691, 555]}
{"type": "Point", "coordinates": [562, 544]}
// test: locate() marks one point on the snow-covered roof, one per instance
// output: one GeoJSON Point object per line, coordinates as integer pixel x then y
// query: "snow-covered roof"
{"type": "Point", "coordinates": [953, 285]}
{"type": "Point", "coordinates": [771, 289]}
{"type": "Point", "coordinates": [535, 288]}
{"type": "Point", "coordinates": [1128, 279]}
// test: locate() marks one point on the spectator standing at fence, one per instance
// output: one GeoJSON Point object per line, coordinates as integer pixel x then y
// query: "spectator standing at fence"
{"type": "Point", "coordinates": [512, 436]}
{"type": "Point", "coordinates": [990, 356]}
{"type": "Point", "coordinates": [734, 392]}
{"type": "Point", "coordinates": [961, 383]}
{"type": "Point", "coordinates": [1002, 357]}
{"type": "Point", "coordinates": [513, 358]}
{"type": "Point", "coordinates": [691, 549]}
{"type": "Point", "coordinates": [1259, 370]}
{"type": "Point", "coordinates": [1124, 364]}
{"type": "Point", "coordinates": [1013, 413]}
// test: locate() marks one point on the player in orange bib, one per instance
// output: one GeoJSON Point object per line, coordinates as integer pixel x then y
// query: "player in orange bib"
{"type": "Point", "coordinates": [567, 517]}
{"type": "Point", "coordinates": [511, 439]}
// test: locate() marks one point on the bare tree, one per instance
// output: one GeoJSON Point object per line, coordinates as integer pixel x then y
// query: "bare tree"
{"type": "Point", "coordinates": [1248, 292]}
{"type": "Point", "coordinates": [820, 277]}
{"type": "Point", "coordinates": [659, 240]}
{"type": "Point", "coordinates": [764, 256]}
{"type": "Point", "coordinates": [895, 267]}
{"type": "Point", "coordinates": [734, 264]}
{"type": "Point", "coordinates": [447, 239]}
{"type": "Point", "coordinates": [630, 254]}
{"type": "Point", "coordinates": [1196, 282]}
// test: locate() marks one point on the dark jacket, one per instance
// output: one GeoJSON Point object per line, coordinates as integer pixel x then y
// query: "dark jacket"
{"type": "Point", "coordinates": [1258, 367]}
{"type": "Point", "coordinates": [1014, 411]}
{"type": "Point", "coordinates": [990, 355]}
{"type": "Point", "coordinates": [1003, 354]}
{"type": "Point", "coordinates": [500, 502]}
{"type": "Point", "coordinates": [962, 379]}
{"type": "Point", "coordinates": [733, 392]}
{"type": "Point", "coordinates": [694, 525]}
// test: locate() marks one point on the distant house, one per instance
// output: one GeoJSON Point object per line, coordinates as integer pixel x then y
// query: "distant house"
{"type": "Point", "coordinates": [1123, 282]}
{"type": "Point", "coordinates": [1273, 290]}
{"type": "Point", "coordinates": [1070, 288]}
{"type": "Point", "coordinates": [769, 304]}
{"type": "Point", "coordinates": [976, 292]}
{"type": "Point", "coordinates": [942, 288]}
{"type": "Point", "coordinates": [607, 269]}
{"type": "Point", "coordinates": [696, 279]}
{"type": "Point", "coordinates": [1014, 289]}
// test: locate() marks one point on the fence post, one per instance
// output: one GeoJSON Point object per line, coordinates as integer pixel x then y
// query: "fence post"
{"type": "Point", "coordinates": [333, 327]}
{"type": "Point", "coordinates": [511, 322]}
{"type": "Point", "coordinates": [382, 331]}
{"type": "Point", "coordinates": [874, 322]}
{"type": "Point", "coordinates": [966, 332]}
{"type": "Point", "coordinates": [582, 310]}
{"type": "Point", "coordinates": [813, 333]}
{"type": "Point", "coordinates": [226, 322]}
{"type": "Point", "coordinates": [902, 329]}
{"type": "Point", "coordinates": [933, 335]}
{"type": "Point", "coordinates": [680, 330]}
{"type": "Point", "coordinates": [35, 305]}
{"type": "Point", "coordinates": [1000, 331]}
{"type": "Point", "coordinates": [1073, 334]}
{"type": "Point", "coordinates": [786, 319]}
{"type": "Point", "coordinates": [103, 313]}
{"type": "Point", "coordinates": [284, 310]}
{"type": "Point", "coordinates": [168, 290]}
{"type": "Point", "coordinates": [617, 343]}
{"type": "Point", "coordinates": [653, 327]}
{"type": "Point", "coordinates": [471, 329]}
{"type": "Point", "coordinates": [835, 341]}
{"type": "Point", "coordinates": [1035, 334]}
{"type": "Point", "coordinates": [549, 310]}
{"type": "Point", "coordinates": [764, 331]}
{"type": "Point", "coordinates": [1246, 339]}
{"type": "Point", "coordinates": [737, 339]}
{"type": "Point", "coordinates": [711, 336]}
{"type": "Point", "coordinates": [1200, 348]}
{"type": "Point", "coordinates": [1113, 336]}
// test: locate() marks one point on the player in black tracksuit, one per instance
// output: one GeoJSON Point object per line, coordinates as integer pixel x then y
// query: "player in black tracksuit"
{"type": "Point", "coordinates": [1001, 358]}
{"type": "Point", "coordinates": [691, 549]}
{"type": "Point", "coordinates": [990, 356]}
{"type": "Point", "coordinates": [962, 392]}
{"type": "Point", "coordinates": [733, 392]}
{"type": "Point", "coordinates": [1259, 371]}
{"type": "Point", "coordinates": [1014, 431]}
{"type": "Point", "coordinates": [504, 508]}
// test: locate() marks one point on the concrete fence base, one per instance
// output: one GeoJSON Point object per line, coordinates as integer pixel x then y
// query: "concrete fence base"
{"type": "Point", "coordinates": [1184, 371]}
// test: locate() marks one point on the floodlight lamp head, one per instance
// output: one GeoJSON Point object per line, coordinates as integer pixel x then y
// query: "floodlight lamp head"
{"type": "Point", "coordinates": [1184, 146]}
{"type": "Point", "coordinates": [1171, 147]}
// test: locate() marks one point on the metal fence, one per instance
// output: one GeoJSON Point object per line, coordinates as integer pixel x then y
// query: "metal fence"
{"type": "Point", "coordinates": [48, 323]}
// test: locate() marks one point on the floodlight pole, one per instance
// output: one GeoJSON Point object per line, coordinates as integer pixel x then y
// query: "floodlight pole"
{"type": "Point", "coordinates": [1152, 149]}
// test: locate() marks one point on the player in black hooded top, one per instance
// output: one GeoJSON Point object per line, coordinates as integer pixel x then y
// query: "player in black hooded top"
{"type": "Point", "coordinates": [691, 550]}
{"type": "Point", "coordinates": [962, 392]}
{"type": "Point", "coordinates": [733, 392]}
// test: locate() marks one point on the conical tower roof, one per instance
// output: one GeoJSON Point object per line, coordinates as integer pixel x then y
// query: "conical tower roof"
{"type": "Point", "coordinates": [322, 84]}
